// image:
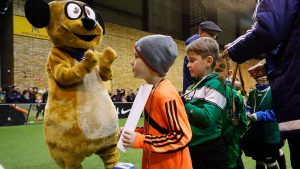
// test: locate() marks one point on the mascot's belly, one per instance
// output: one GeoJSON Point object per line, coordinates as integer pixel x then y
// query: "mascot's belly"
{"type": "Point", "coordinates": [78, 113]}
{"type": "Point", "coordinates": [96, 112]}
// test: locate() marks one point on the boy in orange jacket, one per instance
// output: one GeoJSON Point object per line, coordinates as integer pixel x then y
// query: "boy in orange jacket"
{"type": "Point", "coordinates": [166, 133]}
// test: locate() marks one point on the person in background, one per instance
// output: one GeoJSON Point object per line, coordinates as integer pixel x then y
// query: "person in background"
{"type": "Point", "coordinates": [234, 122]}
{"type": "Point", "coordinates": [123, 97]}
{"type": "Point", "coordinates": [2, 96]}
{"type": "Point", "coordinates": [265, 135]}
{"type": "Point", "coordinates": [14, 95]}
{"type": "Point", "coordinates": [131, 96]}
{"type": "Point", "coordinates": [117, 96]}
{"type": "Point", "coordinates": [31, 95]}
{"type": "Point", "coordinates": [45, 96]}
{"type": "Point", "coordinates": [26, 97]}
{"type": "Point", "coordinates": [39, 107]}
{"type": "Point", "coordinates": [37, 93]}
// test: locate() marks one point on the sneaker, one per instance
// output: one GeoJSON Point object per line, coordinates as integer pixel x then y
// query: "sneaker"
{"type": "Point", "coordinates": [124, 166]}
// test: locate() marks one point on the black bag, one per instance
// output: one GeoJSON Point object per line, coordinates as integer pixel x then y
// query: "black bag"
{"type": "Point", "coordinates": [247, 142]}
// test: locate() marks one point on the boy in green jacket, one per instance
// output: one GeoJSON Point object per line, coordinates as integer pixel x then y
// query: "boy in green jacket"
{"type": "Point", "coordinates": [205, 102]}
{"type": "Point", "coordinates": [264, 130]}
{"type": "Point", "coordinates": [234, 124]}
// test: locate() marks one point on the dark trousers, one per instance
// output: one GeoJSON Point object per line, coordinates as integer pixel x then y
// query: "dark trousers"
{"type": "Point", "coordinates": [294, 145]}
{"type": "Point", "coordinates": [240, 164]}
{"type": "Point", "coordinates": [210, 155]}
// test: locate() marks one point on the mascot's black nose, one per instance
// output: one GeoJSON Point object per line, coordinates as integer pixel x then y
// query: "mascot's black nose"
{"type": "Point", "coordinates": [88, 23]}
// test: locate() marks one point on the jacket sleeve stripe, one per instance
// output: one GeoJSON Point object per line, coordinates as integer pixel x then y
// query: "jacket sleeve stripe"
{"type": "Point", "coordinates": [211, 95]}
{"type": "Point", "coordinates": [176, 117]}
{"type": "Point", "coordinates": [168, 116]}
{"type": "Point", "coordinates": [172, 115]}
{"type": "Point", "coordinates": [155, 125]}
{"type": "Point", "coordinates": [175, 134]}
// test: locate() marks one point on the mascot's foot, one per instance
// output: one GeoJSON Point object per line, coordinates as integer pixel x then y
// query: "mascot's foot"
{"type": "Point", "coordinates": [124, 166]}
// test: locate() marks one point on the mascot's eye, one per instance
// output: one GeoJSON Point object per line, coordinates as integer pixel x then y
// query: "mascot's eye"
{"type": "Point", "coordinates": [90, 12]}
{"type": "Point", "coordinates": [73, 10]}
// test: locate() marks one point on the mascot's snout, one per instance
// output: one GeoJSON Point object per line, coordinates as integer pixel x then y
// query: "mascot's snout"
{"type": "Point", "coordinates": [88, 23]}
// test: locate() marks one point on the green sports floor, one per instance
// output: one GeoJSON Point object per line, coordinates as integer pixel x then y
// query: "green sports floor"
{"type": "Point", "coordinates": [23, 147]}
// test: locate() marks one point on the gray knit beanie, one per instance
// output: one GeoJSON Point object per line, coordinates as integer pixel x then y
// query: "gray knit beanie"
{"type": "Point", "coordinates": [158, 51]}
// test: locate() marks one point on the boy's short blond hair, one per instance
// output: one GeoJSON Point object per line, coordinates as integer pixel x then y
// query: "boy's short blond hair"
{"type": "Point", "coordinates": [204, 47]}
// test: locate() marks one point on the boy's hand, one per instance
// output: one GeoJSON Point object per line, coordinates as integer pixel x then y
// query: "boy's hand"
{"type": "Point", "coordinates": [128, 138]}
{"type": "Point", "coordinates": [252, 117]}
{"type": "Point", "coordinates": [235, 121]}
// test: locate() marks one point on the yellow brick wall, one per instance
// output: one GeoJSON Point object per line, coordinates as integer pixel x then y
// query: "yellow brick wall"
{"type": "Point", "coordinates": [30, 56]}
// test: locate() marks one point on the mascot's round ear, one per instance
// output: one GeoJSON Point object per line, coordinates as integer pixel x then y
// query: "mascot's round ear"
{"type": "Point", "coordinates": [101, 22]}
{"type": "Point", "coordinates": [90, 3]}
{"type": "Point", "coordinates": [37, 13]}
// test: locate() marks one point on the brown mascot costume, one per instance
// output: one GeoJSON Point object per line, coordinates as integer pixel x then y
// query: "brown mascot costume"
{"type": "Point", "coordinates": [80, 118]}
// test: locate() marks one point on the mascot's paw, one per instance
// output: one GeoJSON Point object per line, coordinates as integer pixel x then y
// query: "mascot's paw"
{"type": "Point", "coordinates": [90, 59]}
{"type": "Point", "coordinates": [106, 59]}
{"type": "Point", "coordinates": [124, 166]}
{"type": "Point", "coordinates": [109, 55]}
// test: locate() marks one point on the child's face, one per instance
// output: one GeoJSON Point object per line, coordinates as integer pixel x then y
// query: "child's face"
{"type": "Point", "coordinates": [221, 69]}
{"type": "Point", "coordinates": [139, 68]}
{"type": "Point", "coordinates": [196, 65]}
{"type": "Point", "coordinates": [262, 80]}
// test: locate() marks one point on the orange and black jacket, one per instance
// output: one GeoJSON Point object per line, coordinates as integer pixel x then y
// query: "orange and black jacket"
{"type": "Point", "coordinates": [167, 132]}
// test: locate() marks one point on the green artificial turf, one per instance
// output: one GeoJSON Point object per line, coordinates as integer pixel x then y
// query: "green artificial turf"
{"type": "Point", "coordinates": [23, 147]}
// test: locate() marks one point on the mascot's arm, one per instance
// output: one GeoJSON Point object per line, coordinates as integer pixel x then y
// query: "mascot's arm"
{"type": "Point", "coordinates": [67, 73]}
{"type": "Point", "coordinates": [106, 59]}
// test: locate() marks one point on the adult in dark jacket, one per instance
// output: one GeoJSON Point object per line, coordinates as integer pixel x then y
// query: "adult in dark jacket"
{"type": "Point", "coordinates": [206, 29]}
{"type": "Point", "coordinates": [276, 33]}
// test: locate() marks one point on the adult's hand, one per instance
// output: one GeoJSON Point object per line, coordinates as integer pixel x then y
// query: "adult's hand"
{"type": "Point", "coordinates": [225, 54]}
{"type": "Point", "coordinates": [258, 70]}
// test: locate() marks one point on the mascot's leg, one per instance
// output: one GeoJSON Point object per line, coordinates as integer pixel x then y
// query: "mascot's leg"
{"type": "Point", "coordinates": [60, 162]}
{"type": "Point", "coordinates": [66, 159]}
{"type": "Point", "coordinates": [69, 162]}
{"type": "Point", "coordinates": [73, 163]}
{"type": "Point", "coordinates": [109, 152]}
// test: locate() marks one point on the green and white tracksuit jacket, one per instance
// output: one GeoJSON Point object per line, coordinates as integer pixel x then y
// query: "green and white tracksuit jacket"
{"type": "Point", "coordinates": [205, 102]}
{"type": "Point", "coordinates": [263, 132]}
{"type": "Point", "coordinates": [230, 132]}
